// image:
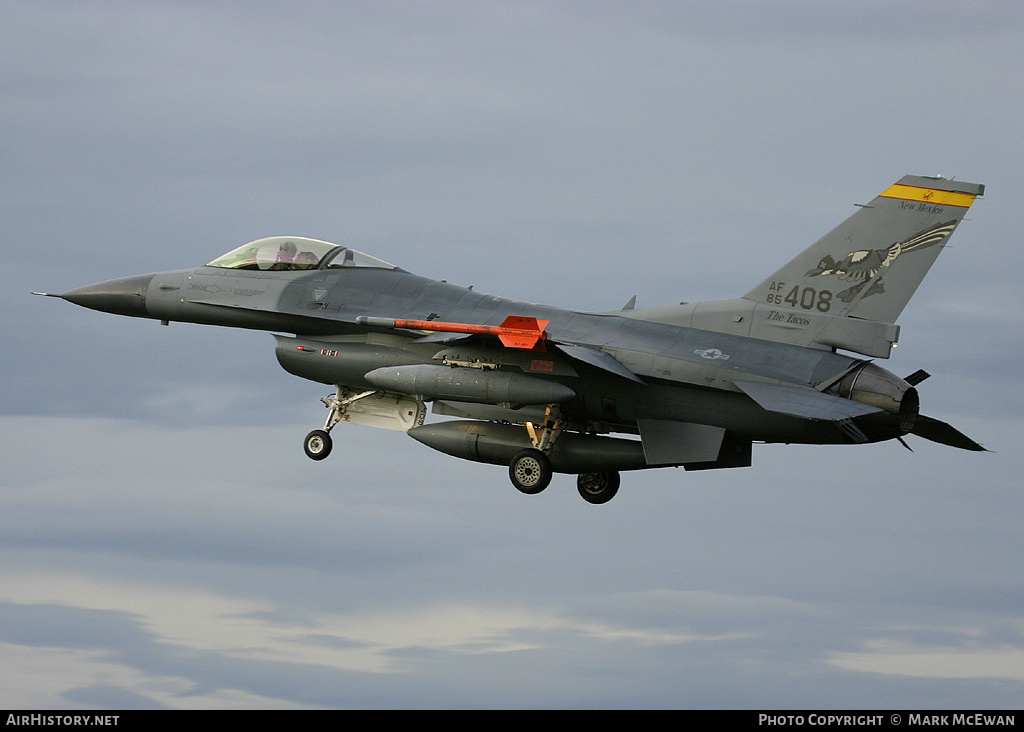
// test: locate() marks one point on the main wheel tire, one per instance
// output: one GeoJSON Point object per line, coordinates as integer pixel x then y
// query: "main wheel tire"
{"type": "Point", "coordinates": [318, 445]}
{"type": "Point", "coordinates": [598, 487]}
{"type": "Point", "coordinates": [530, 471]}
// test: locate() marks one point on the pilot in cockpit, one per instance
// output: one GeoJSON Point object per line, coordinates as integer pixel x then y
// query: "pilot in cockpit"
{"type": "Point", "coordinates": [285, 256]}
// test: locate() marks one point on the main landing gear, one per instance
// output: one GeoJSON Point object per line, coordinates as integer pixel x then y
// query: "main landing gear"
{"type": "Point", "coordinates": [530, 469]}
{"type": "Point", "coordinates": [598, 487]}
{"type": "Point", "coordinates": [530, 472]}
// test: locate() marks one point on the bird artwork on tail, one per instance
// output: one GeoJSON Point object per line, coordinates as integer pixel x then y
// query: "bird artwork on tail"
{"type": "Point", "coordinates": [866, 266]}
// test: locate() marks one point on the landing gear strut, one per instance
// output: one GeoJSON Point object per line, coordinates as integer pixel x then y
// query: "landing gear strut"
{"type": "Point", "coordinates": [530, 469]}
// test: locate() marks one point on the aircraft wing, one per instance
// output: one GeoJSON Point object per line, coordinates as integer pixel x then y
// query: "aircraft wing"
{"type": "Point", "coordinates": [598, 358]}
{"type": "Point", "coordinates": [800, 401]}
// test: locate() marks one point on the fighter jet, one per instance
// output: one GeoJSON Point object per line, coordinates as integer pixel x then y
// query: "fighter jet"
{"type": "Point", "coordinates": [544, 390]}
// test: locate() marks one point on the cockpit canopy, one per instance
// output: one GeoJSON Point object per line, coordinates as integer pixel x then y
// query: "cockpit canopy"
{"type": "Point", "coordinates": [278, 253]}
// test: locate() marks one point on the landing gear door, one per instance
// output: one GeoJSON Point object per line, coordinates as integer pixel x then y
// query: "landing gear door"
{"type": "Point", "coordinates": [386, 410]}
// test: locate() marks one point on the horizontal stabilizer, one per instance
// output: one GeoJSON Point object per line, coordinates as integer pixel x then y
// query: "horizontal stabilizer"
{"type": "Point", "coordinates": [945, 434]}
{"type": "Point", "coordinates": [800, 401]}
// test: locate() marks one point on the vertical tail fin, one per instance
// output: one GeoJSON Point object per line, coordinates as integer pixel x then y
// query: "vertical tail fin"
{"type": "Point", "coordinates": [870, 265]}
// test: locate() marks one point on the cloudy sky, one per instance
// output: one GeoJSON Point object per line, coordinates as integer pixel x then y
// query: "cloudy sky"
{"type": "Point", "coordinates": [166, 543]}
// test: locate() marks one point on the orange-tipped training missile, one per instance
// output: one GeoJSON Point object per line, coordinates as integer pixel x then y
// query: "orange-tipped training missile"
{"type": "Point", "coordinates": [516, 331]}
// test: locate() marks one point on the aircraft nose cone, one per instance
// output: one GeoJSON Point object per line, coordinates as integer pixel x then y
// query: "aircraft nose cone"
{"type": "Point", "coordinates": [126, 296]}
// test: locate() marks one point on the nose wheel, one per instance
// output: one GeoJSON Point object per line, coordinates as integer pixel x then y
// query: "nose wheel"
{"type": "Point", "coordinates": [318, 445]}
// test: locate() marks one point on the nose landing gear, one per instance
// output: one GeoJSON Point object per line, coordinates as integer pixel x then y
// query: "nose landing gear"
{"type": "Point", "coordinates": [318, 443]}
